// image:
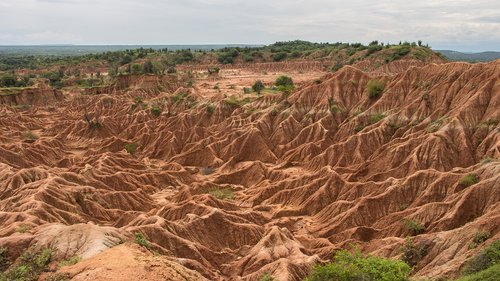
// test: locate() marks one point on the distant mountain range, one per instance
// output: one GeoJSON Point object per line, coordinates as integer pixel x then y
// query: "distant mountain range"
{"type": "Point", "coordinates": [470, 57]}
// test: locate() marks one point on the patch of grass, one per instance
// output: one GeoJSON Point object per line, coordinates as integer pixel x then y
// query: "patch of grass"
{"type": "Point", "coordinates": [23, 228]}
{"type": "Point", "coordinates": [177, 98]}
{"type": "Point", "coordinates": [59, 277]}
{"type": "Point", "coordinates": [469, 179]}
{"type": "Point", "coordinates": [375, 88]}
{"type": "Point", "coordinates": [30, 136]}
{"type": "Point", "coordinates": [266, 277]}
{"type": "Point", "coordinates": [222, 194]}
{"type": "Point", "coordinates": [359, 128]}
{"type": "Point", "coordinates": [488, 160]}
{"type": "Point", "coordinates": [356, 266]}
{"type": "Point", "coordinates": [414, 227]}
{"type": "Point", "coordinates": [141, 240]}
{"type": "Point", "coordinates": [131, 148]}
{"type": "Point", "coordinates": [233, 101]}
{"type": "Point", "coordinates": [70, 261]}
{"type": "Point", "coordinates": [375, 118]}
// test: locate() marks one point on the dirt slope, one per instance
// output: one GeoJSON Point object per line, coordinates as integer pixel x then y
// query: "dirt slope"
{"type": "Point", "coordinates": [235, 188]}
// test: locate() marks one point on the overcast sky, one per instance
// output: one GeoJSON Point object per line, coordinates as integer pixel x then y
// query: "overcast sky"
{"type": "Point", "coordinates": [465, 25]}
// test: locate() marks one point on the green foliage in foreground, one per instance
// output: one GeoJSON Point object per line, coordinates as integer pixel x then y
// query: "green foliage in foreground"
{"type": "Point", "coordinates": [491, 273]}
{"type": "Point", "coordinates": [489, 257]}
{"type": "Point", "coordinates": [29, 267]}
{"type": "Point", "coordinates": [356, 266]}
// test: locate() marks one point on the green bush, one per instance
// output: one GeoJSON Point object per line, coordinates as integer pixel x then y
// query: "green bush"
{"type": "Point", "coordinates": [4, 261]}
{"type": "Point", "coordinates": [490, 256]}
{"type": "Point", "coordinates": [141, 240]}
{"type": "Point", "coordinates": [469, 180]}
{"type": "Point", "coordinates": [491, 273]}
{"type": "Point", "coordinates": [414, 227]}
{"type": "Point", "coordinates": [284, 81]}
{"type": "Point", "coordinates": [412, 253]}
{"type": "Point", "coordinates": [356, 266]}
{"type": "Point", "coordinates": [210, 108]}
{"type": "Point", "coordinates": [156, 111]}
{"type": "Point", "coordinates": [70, 261]}
{"type": "Point", "coordinates": [131, 148]}
{"type": "Point", "coordinates": [258, 86]}
{"type": "Point", "coordinates": [280, 56]}
{"type": "Point", "coordinates": [266, 277]}
{"type": "Point", "coordinates": [375, 88]}
{"type": "Point", "coordinates": [29, 266]}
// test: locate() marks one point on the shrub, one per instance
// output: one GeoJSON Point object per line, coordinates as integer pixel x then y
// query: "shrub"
{"type": "Point", "coordinates": [148, 67]}
{"type": "Point", "coordinates": [131, 148]}
{"type": "Point", "coordinates": [374, 118]}
{"type": "Point", "coordinates": [491, 273]}
{"type": "Point", "coordinates": [31, 264]}
{"type": "Point", "coordinates": [23, 228]}
{"type": "Point", "coordinates": [258, 86]}
{"type": "Point", "coordinates": [213, 70]}
{"type": "Point", "coordinates": [284, 81]}
{"type": "Point", "coordinates": [375, 88]}
{"type": "Point", "coordinates": [30, 136]}
{"type": "Point", "coordinates": [280, 56]}
{"type": "Point", "coordinates": [247, 90]}
{"type": "Point", "coordinates": [156, 111]}
{"type": "Point", "coordinates": [414, 227]}
{"type": "Point", "coordinates": [141, 240]}
{"type": "Point", "coordinates": [136, 68]}
{"type": "Point", "coordinates": [412, 253]}
{"type": "Point", "coordinates": [488, 257]}
{"type": "Point", "coordinates": [266, 277]}
{"type": "Point", "coordinates": [210, 108]}
{"type": "Point", "coordinates": [479, 238]}
{"type": "Point", "coordinates": [70, 261]}
{"type": "Point", "coordinates": [469, 180]}
{"type": "Point", "coordinates": [4, 261]}
{"type": "Point", "coordinates": [355, 266]}
{"type": "Point", "coordinates": [337, 66]}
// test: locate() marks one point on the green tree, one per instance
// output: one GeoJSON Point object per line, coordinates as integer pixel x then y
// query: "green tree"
{"type": "Point", "coordinates": [284, 81]}
{"type": "Point", "coordinates": [258, 86]}
{"type": "Point", "coordinates": [148, 67]}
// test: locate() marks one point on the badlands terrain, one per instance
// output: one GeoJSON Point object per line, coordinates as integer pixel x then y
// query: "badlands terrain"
{"type": "Point", "coordinates": [193, 176]}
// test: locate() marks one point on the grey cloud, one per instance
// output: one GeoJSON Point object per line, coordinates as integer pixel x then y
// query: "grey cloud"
{"type": "Point", "coordinates": [460, 24]}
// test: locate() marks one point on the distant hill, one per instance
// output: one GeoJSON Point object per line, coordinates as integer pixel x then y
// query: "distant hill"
{"type": "Point", "coordinates": [471, 57]}
{"type": "Point", "coordinates": [76, 50]}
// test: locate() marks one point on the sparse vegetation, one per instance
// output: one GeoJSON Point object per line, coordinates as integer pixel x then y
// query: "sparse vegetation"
{"type": "Point", "coordinates": [156, 111]}
{"type": "Point", "coordinates": [414, 227]}
{"type": "Point", "coordinates": [375, 88]}
{"type": "Point", "coordinates": [210, 108]}
{"type": "Point", "coordinates": [222, 193]}
{"type": "Point", "coordinates": [284, 81]}
{"type": "Point", "coordinates": [266, 277]}
{"type": "Point", "coordinates": [141, 240]}
{"type": "Point", "coordinates": [29, 266]}
{"type": "Point", "coordinates": [4, 261]}
{"type": "Point", "coordinates": [23, 228]}
{"type": "Point", "coordinates": [70, 261]}
{"type": "Point", "coordinates": [356, 266]}
{"type": "Point", "coordinates": [412, 253]}
{"type": "Point", "coordinates": [479, 237]}
{"type": "Point", "coordinates": [30, 136]}
{"type": "Point", "coordinates": [233, 101]}
{"type": "Point", "coordinates": [488, 257]}
{"type": "Point", "coordinates": [131, 148]}
{"type": "Point", "coordinates": [469, 179]}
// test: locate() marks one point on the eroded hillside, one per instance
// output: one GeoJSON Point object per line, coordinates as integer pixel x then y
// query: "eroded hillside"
{"type": "Point", "coordinates": [234, 185]}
